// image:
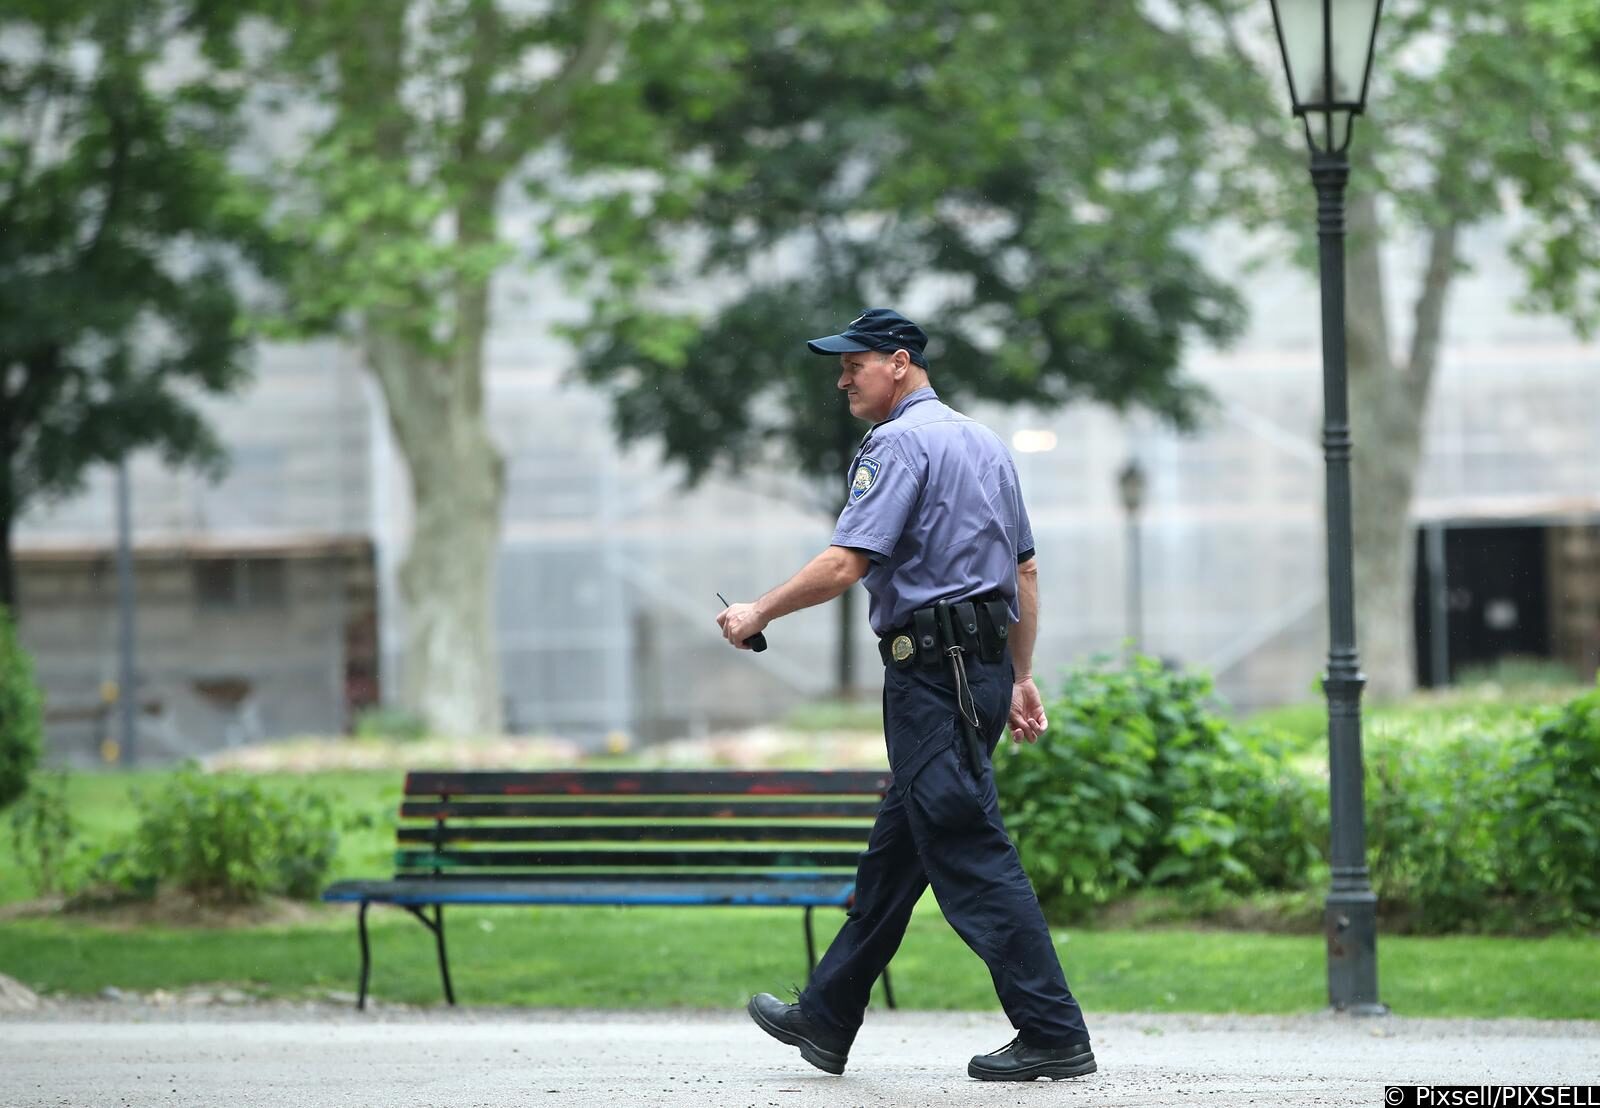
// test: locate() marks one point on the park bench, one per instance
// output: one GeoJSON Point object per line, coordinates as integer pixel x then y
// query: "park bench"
{"type": "Point", "coordinates": [788, 838]}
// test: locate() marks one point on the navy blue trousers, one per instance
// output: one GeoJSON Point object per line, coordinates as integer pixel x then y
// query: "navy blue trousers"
{"type": "Point", "coordinates": [941, 826]}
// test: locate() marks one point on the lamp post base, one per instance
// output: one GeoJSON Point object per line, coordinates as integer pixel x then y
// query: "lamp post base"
{"type": "Point", "coordinates": [1362, 1011]}
{"type": "Point", "coordinates": [1350, 922]}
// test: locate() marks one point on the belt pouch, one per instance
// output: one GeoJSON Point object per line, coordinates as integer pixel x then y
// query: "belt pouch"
{"type": "Point", "coordinates": [994, 628]}
{"type": "Point", "coordinates": [926, 629]}
{"type": "Point", "coordinates": [966, 621]}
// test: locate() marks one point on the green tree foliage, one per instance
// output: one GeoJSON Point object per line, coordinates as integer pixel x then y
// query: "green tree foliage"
{"type": "Point", "coordinates": [988, 167]}
{"type": "Point", "coordinates": [123, 233]}
{"type": "Point", "coordinates": [21, 714]}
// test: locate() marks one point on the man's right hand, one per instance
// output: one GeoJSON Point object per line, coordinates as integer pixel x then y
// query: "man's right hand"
{"type": "Point", "coordinates": [1027, 718]}
{"type": "Point", "coordinates": [740, 623]}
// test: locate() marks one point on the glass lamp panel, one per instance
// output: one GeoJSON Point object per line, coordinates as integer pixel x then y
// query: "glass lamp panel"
{"type": "Point", "coordinates": [1301, 26]}
{"type": "Point", "coordinates": [1340, 123]}
{"type": "Point", "coordinates": [1305, 26]}
{"type": "Point", "coordinates": [1352, 25]}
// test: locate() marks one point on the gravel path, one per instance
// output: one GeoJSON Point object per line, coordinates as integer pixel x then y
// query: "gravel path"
{"type": "Point", "coordinates": [106, 1055]}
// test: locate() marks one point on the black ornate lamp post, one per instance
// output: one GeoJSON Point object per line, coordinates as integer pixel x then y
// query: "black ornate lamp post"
{"type": "Point", "coordinates": [1327, 52]}
{"type": "Point", "coordinates": [1130, 487]}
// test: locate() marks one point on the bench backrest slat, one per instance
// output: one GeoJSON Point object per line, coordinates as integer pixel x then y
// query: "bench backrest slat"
{"type": "Point", "coordinates": [622, 877]}
{"type": "Point", "coordinates": [679, 825]}
{"type": "Point", "coordinates": [807, 832]}
{"type": "Point", "coordinates": [666, 859]}
{"type": "Point", "coordinates": [673, 808]}
{"type": "Point", "coordinates": [647, 783]}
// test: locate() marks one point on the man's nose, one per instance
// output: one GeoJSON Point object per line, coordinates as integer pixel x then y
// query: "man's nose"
{"type": "Point", "coordinates": [844, 380]}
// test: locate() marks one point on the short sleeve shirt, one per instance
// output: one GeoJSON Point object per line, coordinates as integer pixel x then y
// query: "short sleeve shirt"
{"type": "Point", "coordinates": [933, 500]}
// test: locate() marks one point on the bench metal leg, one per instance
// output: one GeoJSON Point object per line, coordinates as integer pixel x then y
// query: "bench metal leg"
{"type": "Point", "coordinates": [811, 962]}
{"type": "Point", "coordinates": [811, 946]}
{"type": "Point", "coordinates": [444, 958]}
{"type": "Point", "coordinates": [436, 925]}
{"type": "Point", "coordinates": [366, 956]}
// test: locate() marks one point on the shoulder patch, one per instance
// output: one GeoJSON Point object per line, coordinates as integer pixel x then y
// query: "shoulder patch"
{"type": "Point", "coordinates": [866, 474]}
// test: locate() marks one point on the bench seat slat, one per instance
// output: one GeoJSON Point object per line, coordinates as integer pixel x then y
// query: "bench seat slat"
{"type": "Point", "coordinates": [645, 782]}
{"type": "Point", "coordinates": [618, 875]}
{"type": "Point", "coordinates": [689, 808]}
{"type": "Point", "coordinates": [421, 859]}
{"type": "Point", "coordinates": [429, 834]}
{"type": "Point", "coordinates": [832, 891]}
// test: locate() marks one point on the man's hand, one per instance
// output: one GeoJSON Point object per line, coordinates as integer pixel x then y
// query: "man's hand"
{"type": "Point", "coordinates": [740, 622]}
{"type": "Point", "coordinates": [1027, 712]}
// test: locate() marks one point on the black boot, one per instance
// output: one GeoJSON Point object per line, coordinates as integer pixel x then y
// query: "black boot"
{"type": "Point", "coordinates": [1017, 1061]}
{"type": "Point", "coordinates": [787, 1024]}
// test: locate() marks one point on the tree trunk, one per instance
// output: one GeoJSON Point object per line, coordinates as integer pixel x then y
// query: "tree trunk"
{"type": "Point", "coordinates": [1388, 404]}
{"type": "Point", "coordinates": [451, 672]}
{"type": "Point", "coordinates": [1383, 475]}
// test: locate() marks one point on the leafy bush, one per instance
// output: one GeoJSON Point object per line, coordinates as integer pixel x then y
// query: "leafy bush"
{"type": "Point", "coordinates": [21, 715]}
{"type": "Point", "coordinates": [1140, 783]}
{"type": "Point", "coordinates": [224, 838]}
{"type": "Point", "coordinates": [1487, 824]}
{"type": "Point", "coordinates": [1436, 812]}
{"type": "Point", "coordinates": [1555, 820]}
{"type": "Point", "coordinates": [43, 833]}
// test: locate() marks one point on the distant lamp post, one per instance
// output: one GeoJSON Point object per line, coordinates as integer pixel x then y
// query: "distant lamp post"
{"type": "Point", "coordinates": [1327, 53]}
{"type": "Point", "coordinates": [1131, 488]}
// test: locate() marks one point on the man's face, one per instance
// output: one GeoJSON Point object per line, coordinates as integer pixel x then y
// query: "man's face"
{"type": "Point", "coordinates": [869, 380]}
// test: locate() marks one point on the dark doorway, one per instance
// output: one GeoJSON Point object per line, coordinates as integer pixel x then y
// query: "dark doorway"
{"type": "Point", "coordinates": [1494, 603]}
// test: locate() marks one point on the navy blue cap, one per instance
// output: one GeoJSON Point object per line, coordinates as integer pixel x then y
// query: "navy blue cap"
{"type": "Point", "coordinates": [881, 329]}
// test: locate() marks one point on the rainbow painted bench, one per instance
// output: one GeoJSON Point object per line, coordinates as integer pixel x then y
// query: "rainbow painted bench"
{"type": "Point", "coordinates": [788, 838]}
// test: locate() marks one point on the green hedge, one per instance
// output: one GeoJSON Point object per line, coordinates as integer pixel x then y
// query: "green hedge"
{"type": "Point", "coordinates": [1474, 823]}
{"type": "Point", "coordinates": [225, 838]}
{"type": "Point", "coordinates": [21, 714]}
{"type": "Point", "coordinates": [1140, 783]}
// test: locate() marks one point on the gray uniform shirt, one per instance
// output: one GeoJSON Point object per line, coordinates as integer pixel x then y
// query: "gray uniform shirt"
{"type": "Point", "coordinates": [935, 503]}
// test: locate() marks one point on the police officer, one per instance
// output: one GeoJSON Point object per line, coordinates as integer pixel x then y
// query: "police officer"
{"type": "Point", "coordinates": [934, 523]}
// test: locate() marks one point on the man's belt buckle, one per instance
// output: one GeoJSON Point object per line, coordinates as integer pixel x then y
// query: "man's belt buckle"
{"type": "Point", "coordinates": [902, 648]}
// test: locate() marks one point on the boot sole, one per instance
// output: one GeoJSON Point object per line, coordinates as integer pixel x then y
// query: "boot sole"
{"type": "Point", "coordinates": [825, 1060]}
{"type": "Point", "coordinates": [1053, 1071]}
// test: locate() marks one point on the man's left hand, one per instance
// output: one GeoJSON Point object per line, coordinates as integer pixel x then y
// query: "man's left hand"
{"type": "Point", "coordinates": [740, 622]}
{"type": "Point", "coordinates": [1027, 717]}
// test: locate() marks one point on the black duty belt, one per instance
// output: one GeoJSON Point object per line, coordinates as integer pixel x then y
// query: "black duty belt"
{"type": "Point", "coordinates": [947, 633]}
{"type": "Point", "coordinates": [980, 626]}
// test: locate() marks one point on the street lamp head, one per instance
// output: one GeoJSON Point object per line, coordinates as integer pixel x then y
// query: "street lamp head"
{"type": "Point", "coordinates": [1327, 54]}
{"type": "Point", "coordinates": [1130, 483]}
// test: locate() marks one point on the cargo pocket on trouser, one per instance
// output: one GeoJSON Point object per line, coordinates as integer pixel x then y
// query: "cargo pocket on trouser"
{"type": "Point", "coordinates": [944, 793]}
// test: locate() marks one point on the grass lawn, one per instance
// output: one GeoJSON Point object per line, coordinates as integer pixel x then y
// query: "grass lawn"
{"type": "Point", "coordinates": [715, 957]}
